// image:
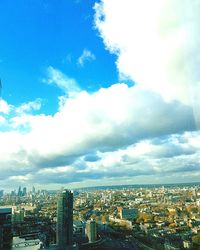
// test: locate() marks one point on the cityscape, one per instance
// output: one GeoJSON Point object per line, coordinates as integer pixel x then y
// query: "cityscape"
{"type": "Point", "coordinates": [100, 125]}
{"type": "Point", "coordinates": [117, 217]}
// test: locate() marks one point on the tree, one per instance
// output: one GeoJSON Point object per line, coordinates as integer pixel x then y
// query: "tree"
{"type": "Point", "coordinates": [196, 239]}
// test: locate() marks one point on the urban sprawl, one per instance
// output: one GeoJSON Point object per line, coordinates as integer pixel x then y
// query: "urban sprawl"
{"type": "Point", "coordinates": [112, 218]}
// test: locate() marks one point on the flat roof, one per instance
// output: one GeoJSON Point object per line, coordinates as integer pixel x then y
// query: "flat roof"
{"type": "Point", "coordinates": [5, 210]}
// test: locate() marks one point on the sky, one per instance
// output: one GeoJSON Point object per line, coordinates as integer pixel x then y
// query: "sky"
{"type": "Point", "coordinates": [99, 92]}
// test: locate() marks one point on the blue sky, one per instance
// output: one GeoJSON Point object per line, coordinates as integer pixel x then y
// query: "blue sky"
{"type": "Point", "coordinates": [36, 34]}
{"type": "Point", "coordinates": [99, 92]}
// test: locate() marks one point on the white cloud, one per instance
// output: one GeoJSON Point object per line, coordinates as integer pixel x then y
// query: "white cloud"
{"type": "Point", "coordinates": [19, 178]}
{"type": "Point", "coordinates": [15, 116]}
{"type": "Point", "coordinates": [4, 107]}
{"type": "Point", "coordinates": [157, 44]}
{"type": "Point", "coordinates": [29, 106]}
{"type": "Point", "coordinates": [85, 57]}
{"type": "Point", "coordinates": [94, 120]}
{"type": "Point", "coordinates": [120, 134]}
{"type": "Point", "coordinates": [148, 160]}
{"type": "Point", "coordinates": [67, 84]}
{"type": "Point", "coordinates": [106, 121]}
{"type": "Point", "coordinates": [2, 120]}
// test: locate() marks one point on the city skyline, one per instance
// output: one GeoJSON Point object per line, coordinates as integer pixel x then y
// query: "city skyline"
{"type": "Point", "coordinates": [155, 217]}
{"type": "Point", "coordinates": [99, 93]}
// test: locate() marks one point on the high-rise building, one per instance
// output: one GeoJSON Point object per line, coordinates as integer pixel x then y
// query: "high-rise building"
{"type": "Point", "coordinates": [64, 232]}
{"type": "Point", "coordinates": [18, 214]}
{"type": "Point", "coordinates": [91, 230]}
{"type": "Point", "coordinates": [24, 192]}
{"type": "Point", "coordinates": [5, 228]}
{"type": "Point", "coordinates": [33, 190]}
{"type": "Point", "coordinates": [19, 191]}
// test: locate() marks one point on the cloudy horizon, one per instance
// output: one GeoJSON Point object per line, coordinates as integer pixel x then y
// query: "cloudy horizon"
{"type": "Point", "coordinates": [82, 127]}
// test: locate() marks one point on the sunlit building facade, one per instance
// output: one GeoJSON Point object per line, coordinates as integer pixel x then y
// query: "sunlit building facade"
{"type": "Point", "coordinates": [64, 230]}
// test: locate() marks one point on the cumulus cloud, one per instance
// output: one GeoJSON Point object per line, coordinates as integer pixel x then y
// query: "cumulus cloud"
{"type": "Point", "coordinates": [120, 134]}
{"type": "Point", "coordinates": [67, 84]}
{"type": "Point", "coordinates": [2, 120]}
{"type": "Point", "coordinates": [144, 159]}
{"type": "Point", "coordinates": [85, 139]}
{"type": "Point", "coordinates": [29, 106]}
{"type": "Point", "coordinates": [19, 178]}
{"type": "Point", "coordinates": [86, 56]}
{"type": "Point", "coordinates": [157, 44]}
{"type": "Point", "coordinates": [12, 117]}
{"type": "Point", "coordinates": [106, 119]}
{"type": "Point", "coordinates": [4, 107]}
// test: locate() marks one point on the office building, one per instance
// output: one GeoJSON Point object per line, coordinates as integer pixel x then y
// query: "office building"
{"type": "Point", "coordinates": [18, 214]}
{"type": "Point", "coordinates": [64, 232]}
{"type": "Point", "coordinates": [91, 230]}
{"type": "Point", "coordinates": [5, 228]}
{"type": "Point", "coordinates": [128, 213]}
{"type": "Point", "coordinates": [19, 193]}
{"type": "Point", "coordinates": [24, 192]}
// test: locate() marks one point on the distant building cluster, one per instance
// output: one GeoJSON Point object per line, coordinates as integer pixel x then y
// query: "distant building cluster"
{"type": "Point", "coordinates": [156, 217]}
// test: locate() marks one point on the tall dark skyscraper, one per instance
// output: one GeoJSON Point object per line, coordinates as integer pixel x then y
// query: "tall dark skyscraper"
{"type": "Point", "coordinates": [65, 220]}
{"type": "Point", "coordinates": [19, 191]}
{"type": "Point", "coordinates": [5, 228]}
{"type": "Point", "coordinates": [24, 191]}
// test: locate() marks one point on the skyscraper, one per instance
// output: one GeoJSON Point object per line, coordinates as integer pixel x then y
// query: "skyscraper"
{"type": "Point", "coordinates": [24, 191]}
{"type": "Point", "coordinates": [33, 190]}
{"type": "Point", "coordinates": [19, 191]}
{"type": "Point", "coordinates": [64, 220]}
{"type": "Point", "coordinates": [91, 230]}
{"type": "Point", "coordinates": [5, 228]}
